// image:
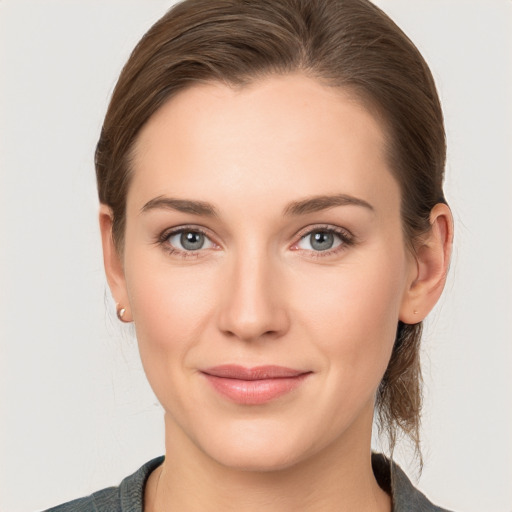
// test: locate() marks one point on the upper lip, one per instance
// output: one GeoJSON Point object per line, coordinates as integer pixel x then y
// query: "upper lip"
{"type": "Point", "coordinates": [233, 371]}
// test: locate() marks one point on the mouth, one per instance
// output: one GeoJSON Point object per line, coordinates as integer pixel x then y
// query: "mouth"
{"type": "Point", "coordinates": [254, 386]}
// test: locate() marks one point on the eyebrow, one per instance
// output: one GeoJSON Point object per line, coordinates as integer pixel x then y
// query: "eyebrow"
{"type": "Point", "coordinates": [302, 207]}
{"type": "Point", "coordinates": [324, 202]}
{"type": "Point", "coordinates": [180, 205]}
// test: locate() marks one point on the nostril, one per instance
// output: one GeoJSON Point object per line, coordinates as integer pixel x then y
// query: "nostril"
{"type": "Point", "coordinates": [253, 328]}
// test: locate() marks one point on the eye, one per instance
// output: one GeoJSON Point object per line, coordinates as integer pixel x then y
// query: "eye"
{"type": "Point", "coordinates": [321, 240]}
{"type": "Point", "coordinates": [188, 240]}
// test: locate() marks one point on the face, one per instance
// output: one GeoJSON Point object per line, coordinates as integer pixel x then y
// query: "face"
{"type": "Point", "coordinates": [265, 269]}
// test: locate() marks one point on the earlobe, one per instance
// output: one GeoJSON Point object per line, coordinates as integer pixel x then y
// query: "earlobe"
{"type": "Point", "coordinates": [432, 263]}
{"type": "Point", "coordinates": [113, 263]}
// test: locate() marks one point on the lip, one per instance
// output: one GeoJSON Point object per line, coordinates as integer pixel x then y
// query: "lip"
{"type": "Point", "coordinates": [254, 386]}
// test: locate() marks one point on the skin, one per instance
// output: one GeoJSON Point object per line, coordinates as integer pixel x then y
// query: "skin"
{"type": "Point", "coordinates": [259, 293]}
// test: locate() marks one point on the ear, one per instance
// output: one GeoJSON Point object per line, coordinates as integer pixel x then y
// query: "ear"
{"type": "Point", "coordinates": [432, 261]}
{"type": "Point", "coordinates": [113, 264]}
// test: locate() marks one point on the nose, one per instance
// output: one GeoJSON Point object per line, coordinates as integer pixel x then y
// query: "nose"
{"type": "Point", "coordinates": [253, 304]}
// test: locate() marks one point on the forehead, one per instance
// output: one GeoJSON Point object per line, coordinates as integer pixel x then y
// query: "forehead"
{"type": "Point", "coordinates": [287, 134]}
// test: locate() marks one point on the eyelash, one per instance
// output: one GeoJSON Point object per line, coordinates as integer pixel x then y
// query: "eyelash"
{"type": "Point", "coordinates": [346, 237]}
{"type": "Point", "coordinates": [163, 240]}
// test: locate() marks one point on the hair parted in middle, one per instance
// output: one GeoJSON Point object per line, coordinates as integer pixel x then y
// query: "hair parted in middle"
{"type": "Point", "coordinates": [347, 44]}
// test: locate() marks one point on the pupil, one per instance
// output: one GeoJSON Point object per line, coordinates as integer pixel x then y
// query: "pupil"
{"type": "Point", "coordinates": [191, 240]}
{"type": "Point", "coordinates": [321, 241]}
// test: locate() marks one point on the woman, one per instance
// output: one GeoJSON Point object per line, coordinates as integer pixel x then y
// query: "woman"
{"type": "Point", "coordinates": [274, 225]}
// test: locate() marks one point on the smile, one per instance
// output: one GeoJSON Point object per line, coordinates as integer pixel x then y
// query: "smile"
{"type": "Point", "coordinates": [253, 386]}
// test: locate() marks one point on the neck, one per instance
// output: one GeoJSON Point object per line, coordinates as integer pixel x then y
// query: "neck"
{"type": "Point", "coordinates": [338, 478]}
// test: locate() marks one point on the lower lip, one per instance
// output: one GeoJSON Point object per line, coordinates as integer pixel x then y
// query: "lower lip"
{"type": "Point", "coordinates": [255, 392]}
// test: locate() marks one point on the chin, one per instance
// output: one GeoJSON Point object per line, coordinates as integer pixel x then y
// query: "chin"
{"type": "Point", "coordinates": [256, 461]}
{"type": "Point", "coordinates": [258, 449]}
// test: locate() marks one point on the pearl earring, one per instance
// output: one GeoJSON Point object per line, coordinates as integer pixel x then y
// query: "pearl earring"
{"type": "Point", "coordinates": [120, 313]}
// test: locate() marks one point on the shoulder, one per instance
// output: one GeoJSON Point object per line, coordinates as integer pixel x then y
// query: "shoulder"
{"type": "Point", "coordinates": [106, 500]}
{"type": "Point", "coordinates": [127, 497]}
{"type": "Point", "coordinates": [405, 497]}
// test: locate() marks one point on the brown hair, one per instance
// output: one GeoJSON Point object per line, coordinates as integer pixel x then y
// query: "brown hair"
{"type": "Point", "coordinates": [343, 43]}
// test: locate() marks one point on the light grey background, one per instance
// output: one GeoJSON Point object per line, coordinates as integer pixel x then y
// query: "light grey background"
{"type": "Point", "coordinates": [76, 413]}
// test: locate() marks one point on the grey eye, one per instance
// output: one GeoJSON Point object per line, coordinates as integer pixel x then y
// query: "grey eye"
{"type": "Point", "coordinates": [189, 240]}
{"type": "Point", "coordinates": [320, 240]}
{"type": "Point", "coordinates": [192, 240]}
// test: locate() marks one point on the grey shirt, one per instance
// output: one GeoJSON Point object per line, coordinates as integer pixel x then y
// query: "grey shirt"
{"type": "Point", "coordinates": [129, 495]}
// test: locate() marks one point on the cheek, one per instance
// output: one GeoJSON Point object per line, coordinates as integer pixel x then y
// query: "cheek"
{"type": "Point", "coordinates": [171, 309]}
{"type": "Point", "coordinates": [353, 315]}
{"type": "Point", "coordinates": [171, 306]}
